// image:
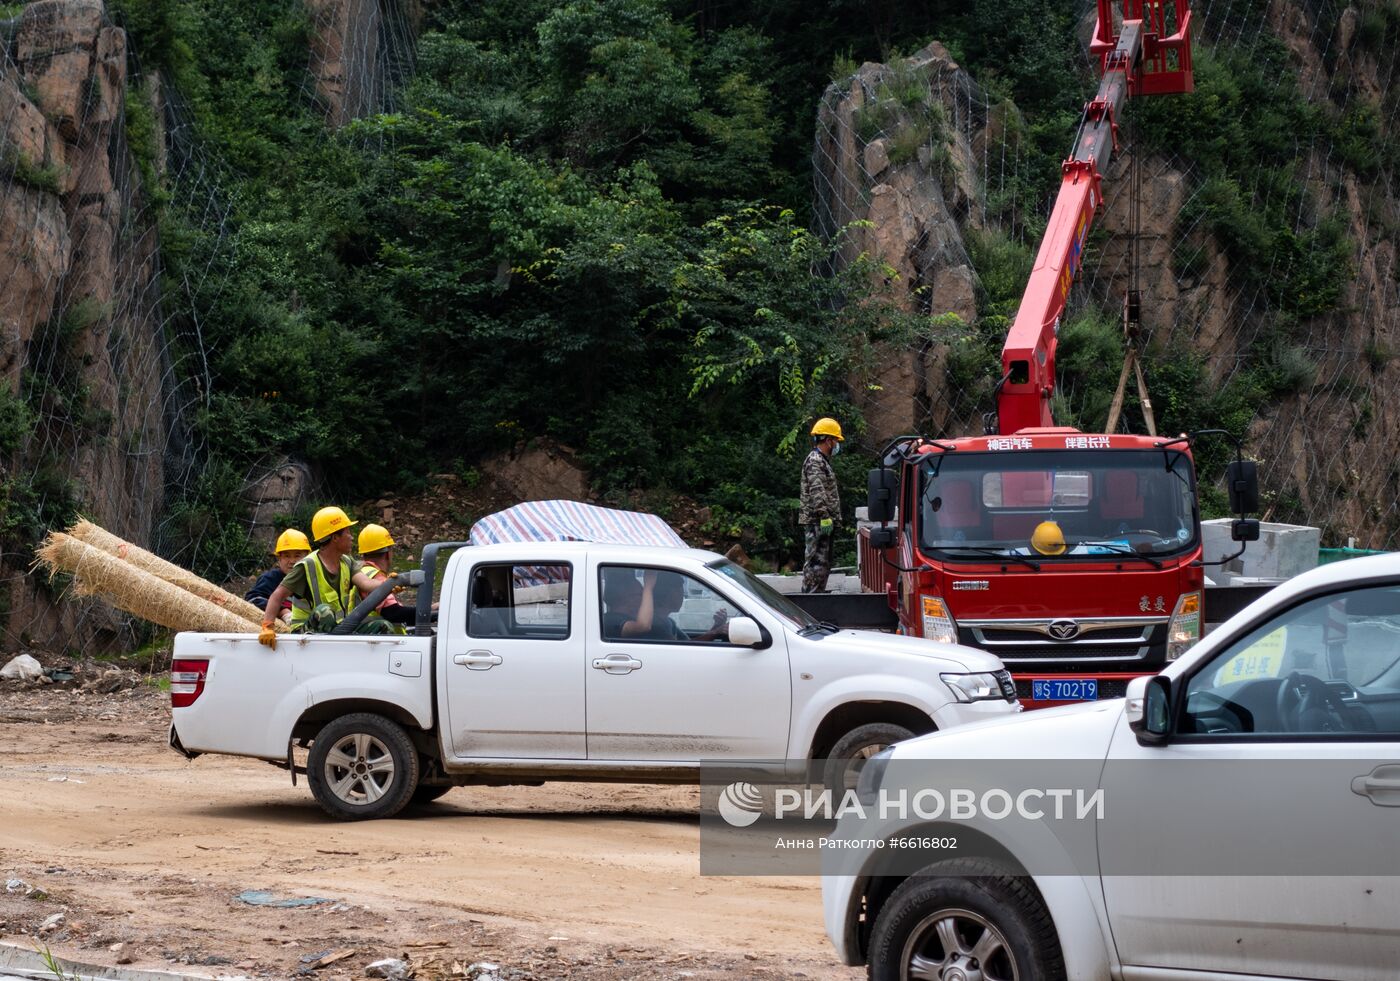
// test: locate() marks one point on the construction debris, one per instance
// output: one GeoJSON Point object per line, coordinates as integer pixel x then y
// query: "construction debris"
{"type": "Point", "coordinates": [22, 668]}
{"type": "Point", "coordinates": [100, 538]}
{"type": "Point", "coordinates": [132, 589]}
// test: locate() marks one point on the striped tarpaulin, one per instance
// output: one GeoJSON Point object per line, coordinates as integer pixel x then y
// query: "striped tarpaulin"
{"type": "Point", "coordinates": [571, 521]}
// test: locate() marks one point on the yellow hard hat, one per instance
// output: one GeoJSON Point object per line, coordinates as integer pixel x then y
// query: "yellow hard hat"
{"type": "Point", "coordinates": [1048, 539]}
{"type": "Point", "coordinates": [375, 537]}
{"type": "Point", "coordinates": [291, 540]}
{"type": "Point", "coordinates": [827, 426]}
{"type": "Point", "coordinates": [328, 521]}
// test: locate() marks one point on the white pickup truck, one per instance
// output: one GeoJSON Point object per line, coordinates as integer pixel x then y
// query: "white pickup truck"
{"type": "Point", "coordinates": [528, 674]}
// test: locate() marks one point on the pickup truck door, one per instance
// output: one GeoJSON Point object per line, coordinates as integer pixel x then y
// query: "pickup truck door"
{"type": "Point", "coordinates": [680, 692]}
{"type": "Point", "coordinates": [513, 661]}
{"type": "Point", "coordinates": [1275, 798]}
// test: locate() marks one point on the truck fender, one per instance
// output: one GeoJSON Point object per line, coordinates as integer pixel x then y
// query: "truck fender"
{"type": "Point", "coordinates": [414, 704]}
{"type": "Point", "coordinates": [816, 706]}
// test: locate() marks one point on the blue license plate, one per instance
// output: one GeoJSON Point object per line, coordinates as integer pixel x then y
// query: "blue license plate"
{"type": "Point", "coordinates": [1065, 689]}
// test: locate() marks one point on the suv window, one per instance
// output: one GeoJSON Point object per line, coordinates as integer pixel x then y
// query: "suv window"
{"type": "Point", "coordinates": [683, 609]}
{"type": "Point", "coordinates": [1328, 666]}
{"type": "Point", "coordinates": [527, 601]}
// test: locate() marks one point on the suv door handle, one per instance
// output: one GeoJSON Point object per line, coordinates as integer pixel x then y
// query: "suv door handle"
{"type": "Point", "coordinates": [617, 663]}
{"type": "Point", "coordinates": [1382, 785]}
{"type": "Point", "coordinates": [477, 660]}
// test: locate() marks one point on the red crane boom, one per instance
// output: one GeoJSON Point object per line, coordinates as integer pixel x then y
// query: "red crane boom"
{"type": "Point", "coordinates": [1139, 57]}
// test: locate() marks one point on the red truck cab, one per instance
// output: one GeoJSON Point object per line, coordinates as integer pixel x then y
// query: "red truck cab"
{"type": "Point", "coordinates": [1120, 598]}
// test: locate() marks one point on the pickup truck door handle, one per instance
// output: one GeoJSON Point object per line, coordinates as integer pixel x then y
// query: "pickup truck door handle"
{"type": "Point", "coordinates": [477, 660]}
{"type": "Point", "coordinates": [1382, 785]}
{"type": "Point", "coordinates": [617, 663]}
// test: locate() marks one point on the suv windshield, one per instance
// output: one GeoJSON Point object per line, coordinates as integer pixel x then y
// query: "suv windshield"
{"type": "Point", "coordinates": [1104, 502]}
{"type": "Point", "coordinates": [764, 593]}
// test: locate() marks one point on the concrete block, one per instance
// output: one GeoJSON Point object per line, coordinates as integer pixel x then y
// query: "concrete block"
{"type": "Point", "coordinates": [1282, 552]}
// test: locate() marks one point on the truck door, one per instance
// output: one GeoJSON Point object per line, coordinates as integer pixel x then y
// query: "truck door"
{"type": "Point", "coordinates": [678, 691]}
{"type": "Point", "coordinates": [514, 664]}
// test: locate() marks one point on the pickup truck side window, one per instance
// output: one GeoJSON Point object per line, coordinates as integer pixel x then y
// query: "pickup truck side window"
{"type": "Point", "coordinates": [525, 601]}
{"type": "Point", "coordinates": [1329, 666]}
{"type": "Point", "coordinates": [683, 609]}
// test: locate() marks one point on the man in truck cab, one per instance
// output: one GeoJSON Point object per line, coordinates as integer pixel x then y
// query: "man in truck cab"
{"type": "Point", "coordinates": [821, 504]}
{"type": "Point", "coordinates": [323, 586]}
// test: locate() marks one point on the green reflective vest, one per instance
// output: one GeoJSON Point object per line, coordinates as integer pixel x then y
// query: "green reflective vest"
{"type": "Point", "coordinates": [340, 597]}
{"type": "Point", "coordinates": [372, 571]}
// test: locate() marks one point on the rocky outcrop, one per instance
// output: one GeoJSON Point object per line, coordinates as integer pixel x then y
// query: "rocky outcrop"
{"type": "Point", "coordinates": [895, 169]}
{"type": "Point", "coordinates": [276, 494]}
{"type": "Point", "coordinates": [541, 470]}
{"type": "Point", "coordinates": [359, 50]}
{"type": "Point", "coordinates": [80, 333]}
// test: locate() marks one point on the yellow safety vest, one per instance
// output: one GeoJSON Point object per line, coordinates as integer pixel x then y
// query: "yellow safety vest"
{"type": "Point", "coordinates": [373, 572]}
{"type": "Point", "coordinates": [339, 597]}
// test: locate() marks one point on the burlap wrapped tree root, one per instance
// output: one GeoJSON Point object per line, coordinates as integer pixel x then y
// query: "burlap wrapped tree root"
{"type": "Point", "coordinates": [134, 590]}
{"type": "Point", "coordinates": [100, 538]}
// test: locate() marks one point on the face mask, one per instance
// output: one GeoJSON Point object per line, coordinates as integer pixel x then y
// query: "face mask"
{"type": "Point", "coordinates": [836, 449]}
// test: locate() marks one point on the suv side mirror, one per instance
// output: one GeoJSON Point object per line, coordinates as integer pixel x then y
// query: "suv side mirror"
{"type": "Point", "coordinates": [745, 632]}
{"type": "Point", "coordinates": [882, 487]}
{"type": "Point", "coordinates": [1245, 529]}
{"type": "Point", "coordinates": [1149, 709]}
{"type": "Point", "coordinates": [1242, 482]}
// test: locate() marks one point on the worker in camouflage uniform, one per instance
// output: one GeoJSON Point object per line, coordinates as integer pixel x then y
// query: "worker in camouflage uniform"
{"type": "Point", "coordinates": [821, 504]}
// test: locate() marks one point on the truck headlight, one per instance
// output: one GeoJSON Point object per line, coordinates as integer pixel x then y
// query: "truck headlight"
{"type": "Point", "coordinates": [1184, 628]}
{"type": "Point", "coordinates": [982, 687]}
{"type": "Point", "coordinates": [938, 622]}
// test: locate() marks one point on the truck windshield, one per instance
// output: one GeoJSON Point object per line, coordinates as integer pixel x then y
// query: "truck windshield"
{"type": "Point", "coordinates": [1101, 502]}
{"type": "Point", "coordinates": [764, 593]}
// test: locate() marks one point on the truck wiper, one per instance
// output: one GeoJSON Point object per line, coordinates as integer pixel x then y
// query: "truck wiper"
{"type": "Point", "coordinates": [818, 627]}
{"type": "Point", "coordinates": [1119, 549]}
{"type": "Point", "coordinates": [997, 553]}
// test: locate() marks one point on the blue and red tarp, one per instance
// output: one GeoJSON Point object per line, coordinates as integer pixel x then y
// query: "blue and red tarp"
{"type": "Point", "coordinates": [571, 521]}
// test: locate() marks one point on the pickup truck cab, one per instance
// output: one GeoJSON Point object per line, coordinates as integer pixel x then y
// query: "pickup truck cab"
{"type": "Point", "coordinates": [1252, 794]}
{"type": "Point", "coordinates": [535, 670]}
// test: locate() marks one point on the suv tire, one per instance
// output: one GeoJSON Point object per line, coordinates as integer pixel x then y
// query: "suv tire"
{"type": "Point", "coordinates": [843, 763]}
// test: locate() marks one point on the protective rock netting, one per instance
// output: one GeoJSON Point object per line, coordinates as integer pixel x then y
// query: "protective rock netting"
{"type": "Point", "coordinates": [942, 171]}
{"type": "Point", "coordinates": [104, 361]}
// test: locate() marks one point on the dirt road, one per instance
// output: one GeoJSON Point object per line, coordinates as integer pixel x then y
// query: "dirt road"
{"type": "Point", "coordinates": [148, 851]}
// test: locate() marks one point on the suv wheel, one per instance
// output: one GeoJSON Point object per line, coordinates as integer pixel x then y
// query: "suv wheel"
{"type": "Point", "coordinates": [847, 758]}
{"type": "Point", "coordinates": [362, 766]}
{"type": "Point", "coordinates": [966, 920]}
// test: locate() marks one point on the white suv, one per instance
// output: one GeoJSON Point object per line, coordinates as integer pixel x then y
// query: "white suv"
{"type": "Point", "coordinates": [1302, 690]}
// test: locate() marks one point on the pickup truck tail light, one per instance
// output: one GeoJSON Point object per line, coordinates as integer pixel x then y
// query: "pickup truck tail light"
{"type": "Point", "coordinates": [187, 681]}
{"type": "Point", "coordinates": [1185, 626]}
{"type": "Point", "coordinates": [938, 621]}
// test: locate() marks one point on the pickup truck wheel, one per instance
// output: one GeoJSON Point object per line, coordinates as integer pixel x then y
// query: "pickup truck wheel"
{"type": "Point", "coordinates": [847, 758]}
{"type": "Point", "coordinates": [362, 766]}
{"type": "Point", "coordinates": [973, 923]}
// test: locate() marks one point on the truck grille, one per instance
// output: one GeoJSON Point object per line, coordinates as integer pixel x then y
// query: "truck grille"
{"type": "Point", "coordinates": [1011, 653]}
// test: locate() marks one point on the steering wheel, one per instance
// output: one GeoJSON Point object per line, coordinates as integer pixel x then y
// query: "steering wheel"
{"type": "Point", "coordinates": [1306, 704]}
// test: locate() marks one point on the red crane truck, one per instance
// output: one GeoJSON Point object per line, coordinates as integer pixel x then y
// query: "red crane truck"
{"type": "Point", "coordinates": [1074, 557]}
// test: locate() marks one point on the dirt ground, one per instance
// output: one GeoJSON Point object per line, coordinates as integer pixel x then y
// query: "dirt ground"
{"type": "Point", "coordinates": [144, 854]}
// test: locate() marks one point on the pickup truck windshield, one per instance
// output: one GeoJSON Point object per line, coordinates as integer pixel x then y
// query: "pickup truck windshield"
{"type": "Point", "coordinates": [1105, 502]}
{"type": "Point", "coordinates": [764, 593]}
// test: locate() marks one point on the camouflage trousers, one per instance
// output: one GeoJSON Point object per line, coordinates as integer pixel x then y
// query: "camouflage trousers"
{"type": "Point", "coordinates": [816, 563]}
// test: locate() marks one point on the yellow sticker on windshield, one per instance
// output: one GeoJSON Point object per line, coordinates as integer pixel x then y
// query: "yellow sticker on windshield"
{"type": "Point", "coordinates": [1261, 659]}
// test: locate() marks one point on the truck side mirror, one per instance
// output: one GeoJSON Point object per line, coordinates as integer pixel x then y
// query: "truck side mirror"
{"type": "Point", "coordinates": [745, 632]}
{"type": "Point", "coordinates": [1149, 709]}
{"type": "Point", "coordinates": [1245, 529]}
{"type": "Point", "coordinates": [882, 487]}
{"type": "Point", "coordinates": [881, 538]}
{"type": "Point", "coordinates": [1242, 482]}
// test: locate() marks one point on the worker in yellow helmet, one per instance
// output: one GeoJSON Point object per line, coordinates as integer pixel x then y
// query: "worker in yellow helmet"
{"type": "Point", "coordinates": [377, 553]}
{"type": "Point", "coordinates": [820, 498]}
{"type": "Point", "coordinates": [322, 586]}
{"type": "Point", "coordinates": [1048, 539]}
{"type": "Point", "coordinates": [290, 549]}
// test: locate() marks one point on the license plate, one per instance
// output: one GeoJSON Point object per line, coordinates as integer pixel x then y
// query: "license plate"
{"type": "Point", "coordinates": [1065, 689]}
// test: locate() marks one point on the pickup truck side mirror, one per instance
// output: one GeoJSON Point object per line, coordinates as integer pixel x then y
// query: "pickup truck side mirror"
{"type": "Point", "coordinates": [882, 487]}
{"type": "Point", "coordinates": [745, 632]}
{"type": "Point", "coordinates": [1149, 709]}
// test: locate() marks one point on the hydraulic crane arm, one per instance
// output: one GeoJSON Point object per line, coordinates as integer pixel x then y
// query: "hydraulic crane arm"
{"type": "Point", "coordinates": [1139, 59]}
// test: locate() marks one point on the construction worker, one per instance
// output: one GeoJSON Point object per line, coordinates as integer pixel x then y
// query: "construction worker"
{"type": "Point", "coordinates": [322, 586]}
{"type": "Point", "coordinates": [291, 548]}
{"type": "Point", "coordinates": [821, 503]}
{"type": "Point", "coordinates": [377, 553]}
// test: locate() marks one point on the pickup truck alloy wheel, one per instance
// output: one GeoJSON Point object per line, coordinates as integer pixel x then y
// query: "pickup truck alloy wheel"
{"type": "Point", "coordinates": [362, 766]}
{"type": "Point", "coordinates": [847, 758]}
{"type": "Point", "coordinates": [963, 920]}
